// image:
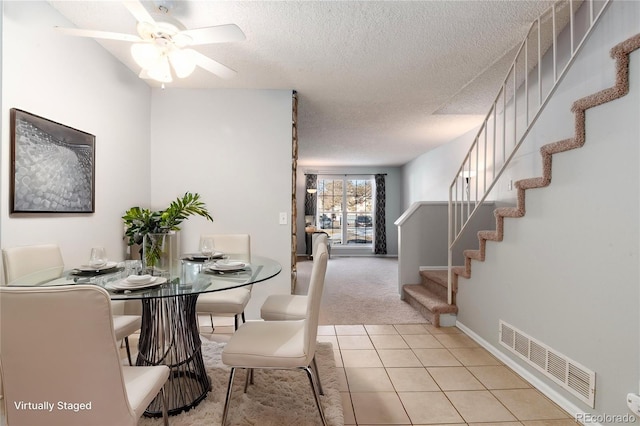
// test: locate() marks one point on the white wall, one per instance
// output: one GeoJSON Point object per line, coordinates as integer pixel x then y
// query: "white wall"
{"type": "Point", "coordinates": [427, 178]}
{"type": "Point", "coordinates": [73, 81]}
{"type": "Point", "coordinates": [233, 147]}
{"type": "Point", "coordinates": [393, 181]}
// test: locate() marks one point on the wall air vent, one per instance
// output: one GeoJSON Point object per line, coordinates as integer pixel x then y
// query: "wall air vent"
{"type": "Point", "coordinates": [573, 377]}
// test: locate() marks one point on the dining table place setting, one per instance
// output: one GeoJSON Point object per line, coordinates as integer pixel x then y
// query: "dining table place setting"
{"type": "Point", "coordinates": [226, 266]}
{"type": "Point", "coordinates": [199, 257]}
{"type": "Point", "coordinates": [98, 264]}
{"type": "Point", "coordinates": [135, 282]}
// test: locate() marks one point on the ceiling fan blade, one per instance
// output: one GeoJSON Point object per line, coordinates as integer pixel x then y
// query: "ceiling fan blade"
{"type": "Point", "coordinates": [217, 34]}
{"type": "Point", "coordinates": [138, 11]}
{"type": "Point", "coordinates": [212, 66]}
{"type": "Point", "coordinates": [99, 34]}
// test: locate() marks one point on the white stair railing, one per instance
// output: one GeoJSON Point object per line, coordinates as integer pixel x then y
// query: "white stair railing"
{"type": "Point", "coordinates": [531, 81]}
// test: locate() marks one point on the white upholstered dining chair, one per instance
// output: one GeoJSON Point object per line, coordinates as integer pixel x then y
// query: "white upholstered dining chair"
{"type": "Point", "coordinates": [230, 302]}
{"type": "Point", "coordinates": [279, 307]}
{"type": "Point", "coordinates": [71, 360]}
{"type": "Point", "coordinates": [280, 344]}
{"type": "Point", "coordinates": [37, 263]}
{"type": "Point", "coordinates": [41, 263]}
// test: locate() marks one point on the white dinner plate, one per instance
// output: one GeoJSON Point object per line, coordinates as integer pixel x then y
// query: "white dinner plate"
{"type": "Point", "coordinates": [139, 279]}
{"type": "Point", "coordinates": [228, 266]}
{"type": "Point", "coordinates": [123, 284]}
{"type": "Point", "coordinates": [89, 268]}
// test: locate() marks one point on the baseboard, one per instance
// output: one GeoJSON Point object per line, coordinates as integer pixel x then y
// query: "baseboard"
{"type": "Point", "coordinates": [550, 393]}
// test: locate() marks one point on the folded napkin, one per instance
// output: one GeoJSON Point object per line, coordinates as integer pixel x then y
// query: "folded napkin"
{"type": "Point", "coordinates": [229, 265]}
{"type": "Point", "coordinates": [139, 279]}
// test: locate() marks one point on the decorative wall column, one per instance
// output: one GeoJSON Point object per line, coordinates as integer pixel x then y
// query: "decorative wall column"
{"type": "Point", "coordinates": [294, 207]}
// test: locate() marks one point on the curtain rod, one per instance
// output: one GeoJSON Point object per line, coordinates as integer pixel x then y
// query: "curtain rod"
{"type": "Point", "coordinates": [344, 174]}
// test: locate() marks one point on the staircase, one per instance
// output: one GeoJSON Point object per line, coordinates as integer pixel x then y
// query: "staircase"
{"type": "Point", "coordinates": [430, 297]}
{"type": "Point", "coordinates": [437, 293]}
{"type": "Point", "coordinates": [621, 87]}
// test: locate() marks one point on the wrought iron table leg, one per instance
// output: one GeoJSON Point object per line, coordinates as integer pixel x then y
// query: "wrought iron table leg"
{"type": "Point", "coordinates": [169, 336]}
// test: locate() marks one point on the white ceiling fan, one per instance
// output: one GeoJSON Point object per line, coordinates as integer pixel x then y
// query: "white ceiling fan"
{"type": "Point", "coordinates": [161, 47]}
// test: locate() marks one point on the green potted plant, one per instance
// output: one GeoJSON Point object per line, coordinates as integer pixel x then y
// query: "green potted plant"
{"type": "Point", "coordinates": [152, 229]}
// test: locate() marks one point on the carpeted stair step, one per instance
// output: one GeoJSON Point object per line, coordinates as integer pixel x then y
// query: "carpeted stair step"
{"type": "Point", "coordinates": [435, 280]}
{"type": "Point", "coordinates": [429, 304]}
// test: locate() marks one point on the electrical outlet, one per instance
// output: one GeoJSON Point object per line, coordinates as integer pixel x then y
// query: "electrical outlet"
{"type": "Point", "coordinates": [633, 402]}
{"type": "Point", "coordinates": [283, 218]}
{"type": "Point", "coordinates": [510, 185]}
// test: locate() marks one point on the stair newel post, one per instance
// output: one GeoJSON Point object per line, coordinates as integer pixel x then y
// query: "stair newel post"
{"type": "Point", "coordinates": [449, 249]}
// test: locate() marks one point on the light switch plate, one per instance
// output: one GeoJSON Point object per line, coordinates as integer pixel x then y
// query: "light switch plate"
{"type": "Point", "coordinates": [283, 218]}
{"type": "Point", "coordinates": [633, 402]}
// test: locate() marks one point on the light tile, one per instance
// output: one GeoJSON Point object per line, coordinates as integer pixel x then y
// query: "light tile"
{"type": "Point", "coordinates": [342, 380]}
{"type": "Point", "coordinates": [422, 341]}
{"type": "Point", "coordinates": [412, 379]}
{"type": "Point", "coordinates": [429, 407]}
{"type": "Point", "coordinates": [329, 339]}
{"type": "Point", "coordinates": [497, 424]}
{"type": "Point", "coordinates": [454, 378]}
{"type": "Point", "coordinates": [388, 341]}
{"type": "Point", "coordinates": [563, 422]}
{"type": "Point", "coordinates": [436, 358]}
{"type": "Point", "coordinates": [350, 330]}
{"type": "Point", "coordinates": [347, 409]}
{"type": "Point", "coordinates": [337, 357]}
{"type": "Point", "coordinates": [474, 356]}
{"type": "Point", "coordinates": [456, 341]}
{"type": "Point", "coordinates": [358, 358]}
{"type": "Point", "coordinates": [378, 408]}
{"type": "Point", "coordinates": [450, 424]}
{"type": "Point", "coordinates": [498, 377]}
{"type": "Point", "coordinates": [442, 330]}
{"type": "Point", "coordinates": [380, 329]}
{"type": "Point", "coordinates": [355, 342]}
{"type": "Point", "coordinates": [479, 406]}
{"type": "Point", "coordinates": [368, 380]}
{"type": "Point", "coordinates": [399, 358]}
{"type": "Point", "coordinates": [411, 329]}
{"type": "Point", "coordinates": [529, 404]}
{"type": "Point", "coordinates": [326, 330]}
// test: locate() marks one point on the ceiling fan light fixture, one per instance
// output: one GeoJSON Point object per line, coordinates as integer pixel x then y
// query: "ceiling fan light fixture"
{"type": "Point", "coordinates": [183, 62]}
{"type": "Point", "coordinates": [145, 54]}
{"type": "Point", "coordinates": [160, 71]}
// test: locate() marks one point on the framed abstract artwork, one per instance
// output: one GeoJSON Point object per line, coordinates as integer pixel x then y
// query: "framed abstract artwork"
{"type": "Point", "coordinates": [52, 166]}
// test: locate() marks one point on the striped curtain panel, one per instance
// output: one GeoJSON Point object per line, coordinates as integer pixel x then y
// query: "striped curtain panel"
{"type": "Point", "coordinates": [380, 246]}
{"type": "Point", "coordinates": [311, 181]}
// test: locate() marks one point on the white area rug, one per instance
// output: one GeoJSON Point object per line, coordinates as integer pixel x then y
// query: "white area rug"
{"type": "Point", "coordinates": [277, 397]}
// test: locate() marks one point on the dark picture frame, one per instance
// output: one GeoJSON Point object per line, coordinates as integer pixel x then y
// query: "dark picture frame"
{"type": "Point", "coordinates": [52, 166]}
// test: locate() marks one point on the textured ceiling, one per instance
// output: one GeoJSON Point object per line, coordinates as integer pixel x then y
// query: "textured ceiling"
{"type": "Point", "coordinates": [379, 83]}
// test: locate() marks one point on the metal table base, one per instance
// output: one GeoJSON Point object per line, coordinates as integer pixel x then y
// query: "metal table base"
{"type": "Point", "coordinates": [169, 336]}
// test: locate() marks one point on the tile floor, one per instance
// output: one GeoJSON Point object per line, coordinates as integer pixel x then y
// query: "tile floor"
{"type": "Point", "coordinates": [416, 374]}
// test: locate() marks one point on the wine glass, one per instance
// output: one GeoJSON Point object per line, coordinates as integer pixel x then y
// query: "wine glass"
{"type": "Point", "coordinates": [207, 248]}
{"type": "Point", "coordinates": [98, 257]}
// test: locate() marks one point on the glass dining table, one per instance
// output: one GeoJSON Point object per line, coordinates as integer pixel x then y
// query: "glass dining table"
{"type": "Point", "coordinates": [169, 334]}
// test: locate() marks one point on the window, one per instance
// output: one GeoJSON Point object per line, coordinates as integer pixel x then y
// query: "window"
{"type": "Point", "coordinates": [345, 210]}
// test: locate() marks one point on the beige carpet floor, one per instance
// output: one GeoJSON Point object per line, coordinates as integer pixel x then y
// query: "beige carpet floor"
{"type": "Point", "coordinates": [360, 290]}
{"type": "Point", "coordinates": [277, 397]}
